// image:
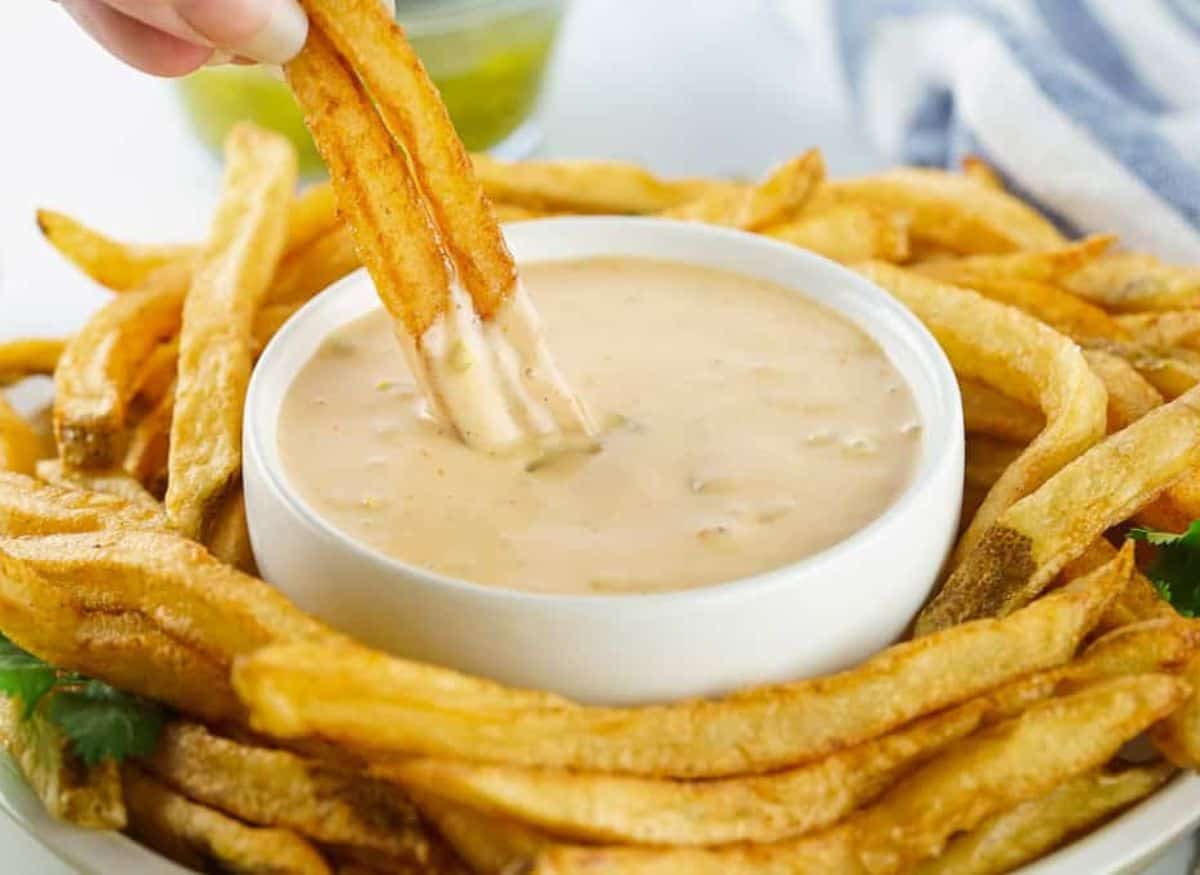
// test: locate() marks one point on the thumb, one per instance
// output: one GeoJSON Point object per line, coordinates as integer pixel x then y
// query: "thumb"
{"type": "Point", "coordinates": [270, 31]}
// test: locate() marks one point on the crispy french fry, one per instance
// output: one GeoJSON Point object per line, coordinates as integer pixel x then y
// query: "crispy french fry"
{"type": "Point", "coordinates": [514, 213]}
{"type": "Point", "coordinates": [20, 445]}
{"type": "Point", "coordinates": [1062, 311]}
{"type": "Point", "coordinates": [148, 612]}
{"type": "Point", "coordinates": [988, 458]}
{"type": "Point", "coordinates": [87, 796]}
{"type": "Point", "coordinates": [312, 214]}
{"type": "Point", "coordinates": [1004, 347]}
{"type": "Point", "coordinates": [1171, 372]}
{"type": "Point", "coordinates": [953, 212]}
{"type": "Point", "coordinates": [1165, 329]}
{"type": "Point", "coordinates": [29, 357]}
{"type": "Point", "coordinates": [157, 373]}
{"type": "Point", "coordinates": [215, 355]}
{"type": "Point", "coordinates": [585, 186]}
{"type": "Point", "coordinates": [114, 483]}
{"type": "Point", "coordinates": [149, 445]}
{"type": "Point", "coordinates": [1178, 736]}
{"type": "Point", "coordinates": [293, 691]}
{"type": "Point", "coordinates": [312, 268]}
{"type": "Point", "coordinates": [195, 835]}
{"type": "Point", "coordinates": [115, 265]}
{"type": "Point", "coordinates": [848, 233]}
{"type": "Point", "coordinates": [1034, 538]}
{"type": "Point", "coordinates": [488, 844]}
{"type": "Point", "coordinates": [1014, 761]}
{"type": "Point", "coordinates": [1039, 265]}
{"type": "Point", "coordinates": [1131, 282]}
{"type": "Point", "coordinates": [778, 198]}
{"type": "Point", "coordinates": [989, 412]}
{"type": "Point", "coordinates": [95, 378]}
{"type": "Point", "coordinates": [1130, 395]}
{"type": "Point", "coordinates": [1007, 840]}
{"type": "Point", "coordinates": [229, 539]}
{"type": "Point", "coordinates": [268, 322]}
{"type": "Point", "coordinates": [1139, 600]}
{"type": "Point", "coordinates": [276, 788]}
{"type": "Point", "coordinates": [28, 507]}
{"type": "Point", "coordinates": [978, 170]}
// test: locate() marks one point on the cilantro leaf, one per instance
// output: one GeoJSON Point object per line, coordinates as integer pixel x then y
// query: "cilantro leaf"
{"type": "Point", "coordinates": [1175, 571]}
{"type": "Point", "coordinates": [24, 676]}
{"type": "Point", "coordinates": [105, 723]}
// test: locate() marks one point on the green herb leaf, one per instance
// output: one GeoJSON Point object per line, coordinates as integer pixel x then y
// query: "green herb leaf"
{"type": "Point", "coordinates": [23, 676]}
{"type": "Point", "coordinates": [1176, 570]}
{"type": "Point", "coordinates": [105, 723]}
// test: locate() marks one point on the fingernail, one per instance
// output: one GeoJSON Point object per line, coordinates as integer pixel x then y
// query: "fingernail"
{"type": "Point", "coordinates": [281, 39]}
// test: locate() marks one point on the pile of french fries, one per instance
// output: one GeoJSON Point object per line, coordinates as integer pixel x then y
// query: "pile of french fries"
{"type": "Point", "coordinates": [991, 738]}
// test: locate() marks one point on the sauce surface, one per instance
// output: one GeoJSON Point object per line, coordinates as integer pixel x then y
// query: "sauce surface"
{"type": "Point", "coordinates": [744, 427]}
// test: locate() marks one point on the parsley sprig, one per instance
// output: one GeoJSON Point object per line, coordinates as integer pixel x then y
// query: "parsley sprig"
{"type": "Point", "coordinates": [1175, 571]}
{"type": "Point", "coordinates": [100, 721]}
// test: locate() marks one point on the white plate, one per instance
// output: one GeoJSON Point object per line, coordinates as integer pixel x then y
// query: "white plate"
{"type": "Point", "coordinates": [1121, 848]}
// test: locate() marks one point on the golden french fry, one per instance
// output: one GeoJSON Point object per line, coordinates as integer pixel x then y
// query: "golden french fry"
{"type": "Point", "coordinates": [1027, 545]}
{"type": "Point", "coordinates": [1164, 329]}
{"type": "Point", "coordinates": [215, 343]}
{"type": "Point", "coordinates": [1137, 602]}
{"type": "Point", "coordinates": [1039, 265]}
{"type": "Point", "coordinates": [978, 170]}
{"type": "Point", "coordinates": [1062, 311]}
{"type": "Point", "coordinates": [229, 539]}
{"type": "Point", "coordinates": [114, 483]}
{"type": "Point", "coordinates": [1006, 348]}
{"type": "Point", "coordinates": [28, 507]}
{"type": "Point", "coordinates": [953, 212]}
{"type": "Point", "coordinates": [488, 844]}
{"type": "Point", "coordinates": [1012, 838]}
{"type": "Point", "coordinates": [118, 266]}
{"type": "Point", "coordinates": [394, 236]}
{"type": "Point", "coordinates": [20, 445]}
{"type": "Point", "coordinates": [848, 233]}
{"type": "Point", "coordinates": [148, 612]}
{"type": "Point", "coordinates": [349, 696]}
{"type": "Point", "coordinates": [1014, 761]}
{"type": "Point", "coordinates": [989, 412]}
{"type": "Point", "coordinates": [95, 379]}
{"type": "Point", "coordinates": [585, 186]}
{"type": "Point", "coordinates": [1171, 372]}
{"type": "Point", "coordinates": [306, 271]}
{"type": "Point", "coordinates": [988, 458]}
{"type": "Point", "coordinates": [86, 796]}
{"type": "Point", "coordinates": [312, 214]}
{"type": "Point", "coordinates": [149, 445]}
{"type": "Point", "coordinates": [514, 213]}
{"type": "Point", "coordinates": [157, 373]}
{"type": "Point", "coordinates": [1178, 736]}
{"type": "Point", "coordinates": [269, 320]}
{"type": "Point", "coordinates": [277, 788]}
{"type": "Point", "coordinates": [1132, 282]}
{"type": "Point", "coordinates": [29, 357]}
{"type": "Point", "coordinates": [1130, 395]}
{"type": "Point", "coordinates": [196, 836]}
{"type": "Point", "coordinates": [778, 198]}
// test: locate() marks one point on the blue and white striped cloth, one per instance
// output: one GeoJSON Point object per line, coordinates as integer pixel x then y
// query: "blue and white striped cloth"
{"type": "Point", "coordinates": [1090, 108]}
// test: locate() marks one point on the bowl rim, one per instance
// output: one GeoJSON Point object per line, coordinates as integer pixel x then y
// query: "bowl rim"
{"type": "Point", "coordinates": [942, 441]}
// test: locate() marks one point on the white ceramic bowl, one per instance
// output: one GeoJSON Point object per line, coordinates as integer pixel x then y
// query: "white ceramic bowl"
{"type": "Point", "coordinates": [817, 615]}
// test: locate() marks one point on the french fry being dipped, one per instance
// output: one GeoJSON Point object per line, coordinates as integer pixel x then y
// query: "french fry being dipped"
{"type": "Point", "coordinates": [427, 234]}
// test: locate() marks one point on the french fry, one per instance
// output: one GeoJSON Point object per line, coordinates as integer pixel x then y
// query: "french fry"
{"type": "Point", "coordinates": [268, 322]}
{"type": "Point", "coordinates": [1027, 545]}
{"type": "Point", "coordinates": [196, 836]}
{"type": "Point", "coordinates": [229, 539]}
{"type": "Point", "coordinates": [312, 268]}
{"type": "Point", "coordinates": [1039, 266]}
{"type": "Point", "coordinates": [1130, 395]}
{"type": "Point", "coordinates": [778, 198]}
{"type": "Point", "coordinates": [514, 213]}
{"type": "Point", "coordinates": [848, 233]}
{"type": "Point", "coordinates": [1004, 347]}
{"type": "Point", "coordinates": [116, 483]}
{"type": "Point", "coordinates": [95, 378]}
{"type": "Point", "coordinates": [20, 445]}
{"type": "Point", "coordinates": [988, 458]}
{"type": "Point", "coordinates": [989, 412]}
{"type": "Point", "coordinates": [157, 373]}
{"type": "Point", "coordinates": [28, 507]}
{"type": "Point", "coordinates": [86, 796]}
{"type": "Point", "coordinates": [149, 445]}
{"type": "Point", "coordinates": [215, 356]}
{"type": "Point", "coordinates": [978, 170]}
{"type": "Point", "coordinates": [1012, 838]}
{"type": "Point", "coordinates": [148, 612]}
{"type": "Point", "coordinates": [585, 186]}
{"type": "Point", "coordinates": [29, 357]}
{"type": "Point", "coordinates": [352, 699]}
{"type": "Point", "coordinates": [312, 214]}
{"type": "Point", "coordinates": [277, 788]}
{"type": "Point", "coordinates": [1165, 329]}
{"type": "Point", "coordinates": [1171, 372]}
{"type": "Point", "coordinates": [1132, 282]}
{"type": "Point", "coordinates": [115, 265]}
{"type": "Point", "coordinates": [1014, 761]}
{"type": "Point", "coordinates": [1062, 311]}
{"type": "Point", "coordinates": [488, 844]}
{"type": "Point", "coordinates": [953, 212]}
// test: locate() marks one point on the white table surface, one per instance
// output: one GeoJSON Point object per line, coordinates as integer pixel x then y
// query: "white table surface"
{"type": "Point", "coordinates": [683, 86]}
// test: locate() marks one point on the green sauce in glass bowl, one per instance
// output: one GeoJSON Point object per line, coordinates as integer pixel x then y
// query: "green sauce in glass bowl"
{"type": "Point", "coordinates": [487, 57]}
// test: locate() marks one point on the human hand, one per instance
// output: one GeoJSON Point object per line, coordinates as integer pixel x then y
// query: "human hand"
{"type": "Point", "coordinates": [174, 37]}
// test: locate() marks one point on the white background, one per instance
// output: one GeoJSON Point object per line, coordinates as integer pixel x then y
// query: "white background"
{"type": "Point", "coordinates": [683, 86]}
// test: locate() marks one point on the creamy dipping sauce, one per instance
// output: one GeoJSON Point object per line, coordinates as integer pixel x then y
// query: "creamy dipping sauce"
{"type": "Point", "coordinates": [743, 426]}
